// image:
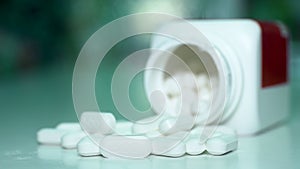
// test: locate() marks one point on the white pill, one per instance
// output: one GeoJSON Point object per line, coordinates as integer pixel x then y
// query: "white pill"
{"type": "Point", "coordinates": [126, 146]}
{"type": "Point", "coordinates": [173, 125]}
{"type": "Point", "coordinates": [68, 126]}
{"type": "Point", "coordinates": [196, 131]}
{"type": "Point", "coordinates": [188, 98]}
{"type": "Point", "coordinates": [222, 144]}
{"type": "Point", "coordinates": [158, 101]}
{"type": "Point", "coordinates": [163, 144]}
{"type": "Point", "coordinates": [177, 151]}
{"type": "Point", "coordinates": [202, 80]}
{"type": "Point", "coordinates": [186, 79]}
{"type": "Point", "coordinates": [205, 94]}
{"type": "Point", "coordinates": [123, 128]}
{"type": "Point", "coordinates": [95, 122]}
{"type": "Point", "coordinates": [71, 139]}
{"type": "Point", "coordinates": [172, 107]}
{"type": "Point", "coordinates": [171, 87]}
{"type": "Point", "coordinates": [86, 147]}
{"type": "Point", "coordinates": [194, 147]}
{"type": "Point", "coordinates": [50, 136]}
{"type": "Point", "coordinates": [200, 107]}
{"type": "Point", "coordinates": [201, 119]}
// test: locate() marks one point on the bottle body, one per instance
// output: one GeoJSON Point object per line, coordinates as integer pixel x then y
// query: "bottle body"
{"type": "Point", "coordinates": [249, 98]}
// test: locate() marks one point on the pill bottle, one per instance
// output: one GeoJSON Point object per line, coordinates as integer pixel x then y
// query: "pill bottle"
{"type": "Point", "coordinates": [253, 57]}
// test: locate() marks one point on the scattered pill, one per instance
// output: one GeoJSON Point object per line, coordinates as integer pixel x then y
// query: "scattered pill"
{"type": "Point", "coordinates": [95, 122]}
{"type": "Point", "coordinates": [177, 151]}
{"type": "Point", "coordinates": [182, 107]}
{"type": "Point", "coordinates": [163, 144]}
{"type": "Point", "coordinates": [194, 147]}
{"type": "Point", "coordinates": [157, 100]}
{"type": "Point", "coordinates": [186, 79]}
{"type": "Point", "coordinates": [200, 107]}
{"type": "Point", "coordinates": [71, 139]}
{"type": "Point", "coordinates": [171, 87]}
{"type": "Point", "coordinates": [126, 146]}
{"type": "Point", "coordinates": [166, 125]}
{"type": "Point", "coordinates": [202, 80]}
{"type": "Point", "coordinates": [205, 94]}
{"type": "Point", "coordinates": [50, 136]}
{"type": "Point", "coordinates": [221, 144]}
{"type": "Point", "coordinates": [172, 107]}
{"type": "Point", "coordinates": [86, 147]}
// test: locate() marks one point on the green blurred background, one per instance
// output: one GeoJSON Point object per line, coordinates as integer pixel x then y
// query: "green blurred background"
{"type": "Point", "coordinates": [40, 41]}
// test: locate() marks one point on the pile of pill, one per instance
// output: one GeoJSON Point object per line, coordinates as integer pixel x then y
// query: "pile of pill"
{"type": "Point", "coordinates": [114, 139]}
{"type": "Point", "coordinates": [176, 133]}
{"type": "Point", "coordinates": [191, 92]}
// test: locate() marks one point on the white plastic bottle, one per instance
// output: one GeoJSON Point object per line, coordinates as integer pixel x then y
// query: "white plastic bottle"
{"type": "Point", "coordinates": [253, 58]}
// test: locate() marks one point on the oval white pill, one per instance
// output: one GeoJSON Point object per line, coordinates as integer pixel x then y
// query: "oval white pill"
{"type": "Point", "coordinates": [205, 94]}
{"type": "Point", "coordinates": [166, 125]}
{"type": "Point", "coordinates": [202, 80]}
{"type": "Point", "coordinates": [50, 136]}
{"type": "Point", "coordinates": [186, 79]}
{"type": "Point", "coordinates": [200, 107]}
{"type": "Point", "coordinates": [71, 139]}
{"type": "Point", "coordinates": [68, 126]}
{"type": "Point", "coordinates": [170, 87]}
{"type": "Point", "coordinates": [163, 144]}
{"type": "Point", "coordinates": [193, 147]}
{"type": "Point", "coordinates": [95, 122]}
{"type": "Point", "coordinates": [172, 107]}
{"type": "Point", "coordinates": [86, 147]}
{"type": "Point", "coordinates": [221, 144]}
{"type": "Point", "coordinates": [177, 151]}
{"type": "Point", "coordinates": [157, 100]}
{"type": "Point", "coordinates": [126, 146]}
{"type": "Point", "coordinates": [196, 131]}
{"type": "Point", "coordinates": [188, 97]}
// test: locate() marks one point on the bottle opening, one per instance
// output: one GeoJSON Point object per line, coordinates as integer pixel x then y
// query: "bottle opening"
{"type": "Point", "coordinates": [188, 78]}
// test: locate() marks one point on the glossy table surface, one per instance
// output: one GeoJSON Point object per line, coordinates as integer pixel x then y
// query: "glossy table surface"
{"type": "Point", "coordinates": [24, 111]}
{"type": "Point", "coordinates": [278, 148]}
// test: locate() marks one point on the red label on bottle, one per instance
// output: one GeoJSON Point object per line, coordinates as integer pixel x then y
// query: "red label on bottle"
{"type": "Point", "coordinates": [274, 54]}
